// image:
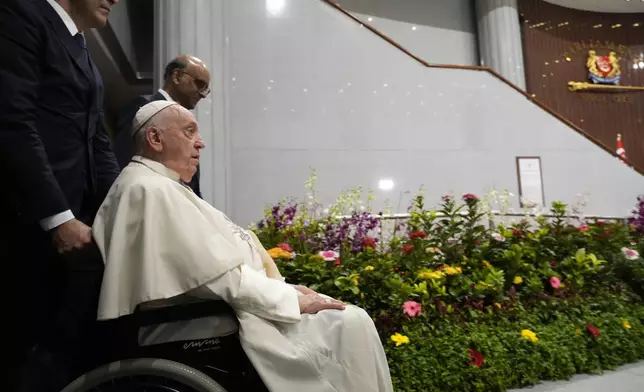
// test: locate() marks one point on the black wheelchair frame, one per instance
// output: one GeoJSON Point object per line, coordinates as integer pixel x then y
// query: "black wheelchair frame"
{"type": "Point", "coordinates": [221, 357]}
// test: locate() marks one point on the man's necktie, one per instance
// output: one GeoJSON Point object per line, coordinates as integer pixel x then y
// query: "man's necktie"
{"type": "Point", "coordinates": [80, 40]}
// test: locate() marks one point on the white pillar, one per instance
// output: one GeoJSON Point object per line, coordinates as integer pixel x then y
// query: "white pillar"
{"type": "Point", "coordinates": [196, 27]}
{"type": "Point", "coordinates": [499, 34]}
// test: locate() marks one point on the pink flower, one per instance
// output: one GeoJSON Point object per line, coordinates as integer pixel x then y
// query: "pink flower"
{"type": "Point", "coordinates": [285, 246]}
{"type": "Point", "coordinates": [329, 255]}
{"type": "Point", "coordinates": [470, 197]}
{"type": "Point", "coordinates": [498, 237]}
{"type": "Point", "coordinates": [555, 282]}
{"type": "Point", "coordinates": [412, 308]}
{"type": "Point", "coordinates": [630, 254]}
{"type": "Point", "coordinates": [584, 228]}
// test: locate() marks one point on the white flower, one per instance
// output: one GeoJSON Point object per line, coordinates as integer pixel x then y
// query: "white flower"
{"type": "Point", "coordinates": [630, 254]}
{"type": "Point", "coordinates": [498, 237]}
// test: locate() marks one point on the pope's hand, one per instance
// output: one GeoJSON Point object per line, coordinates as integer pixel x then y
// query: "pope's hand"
{"type": "Point", "coordinates": [303, 289]}
{"type": "Point", "coordinates": [71, 235]}
{"type": "Point", "coordinates": [313, 303]}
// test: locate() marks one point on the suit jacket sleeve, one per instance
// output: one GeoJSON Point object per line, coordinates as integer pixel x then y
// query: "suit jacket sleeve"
{"type": "Point", "coordinates": [107, 169]}
{"type": "Point", "coordinates": [21, 150]}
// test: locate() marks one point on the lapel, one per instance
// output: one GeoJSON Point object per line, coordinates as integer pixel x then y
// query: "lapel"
{"type": "Point", "coordinates": [75, 51]}
{"type": "Point", "coordinates": [157, 97]}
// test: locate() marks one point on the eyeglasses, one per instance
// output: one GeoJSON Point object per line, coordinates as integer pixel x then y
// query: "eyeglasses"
{"type": "Point", "coordinates": [200, 84]}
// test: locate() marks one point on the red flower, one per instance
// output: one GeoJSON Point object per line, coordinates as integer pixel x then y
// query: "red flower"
{"type": "Point", "coordinates": [337, 262]}
{"type": "Point", "coordinates": [369, 242]}
{"type": "Point", "coordinates": [553, 264]}
{"type": "Point", "coordinates": [418, 234]}
{"type": "Point", "coordinates": [476, 358]}
{"type": "Point", "coordinates": [516, 232]}
{"type": "Point", "coordinates": [584, 228]}
{"type": "Point", "coordinates": [477, 243]}
{"type": "Point", "coordinates": [594, 332]}
{"type": "Point", "coordinates": [407, 248]}
{"type": "Point", "coordinates": [285, 246]}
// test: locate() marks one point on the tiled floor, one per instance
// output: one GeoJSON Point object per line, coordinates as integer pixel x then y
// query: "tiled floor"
{"type": "Point", "coordinates": [629, 378]}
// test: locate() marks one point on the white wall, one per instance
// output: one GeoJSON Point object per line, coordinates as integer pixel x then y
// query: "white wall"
{"type": "Point", "coordinates": [438, 31]}
{"type": "Point", "coordinates": [310, 88]}
{"type": "Point", "coordinates": [303, 86]}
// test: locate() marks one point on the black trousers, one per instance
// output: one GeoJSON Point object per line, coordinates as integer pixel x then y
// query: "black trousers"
{"type": "Point", "coordinates": [52, 308]}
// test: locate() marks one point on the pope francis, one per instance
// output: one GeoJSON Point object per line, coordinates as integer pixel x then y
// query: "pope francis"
{"type": "Point", "coordinates": [163, 245]}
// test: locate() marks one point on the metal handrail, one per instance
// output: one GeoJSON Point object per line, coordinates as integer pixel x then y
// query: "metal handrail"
{"type": "Point", "coordinates": [501, 214]}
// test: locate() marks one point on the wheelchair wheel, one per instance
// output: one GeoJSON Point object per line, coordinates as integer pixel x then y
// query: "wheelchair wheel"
{"type": "Point", "coordinates": [146, 374]}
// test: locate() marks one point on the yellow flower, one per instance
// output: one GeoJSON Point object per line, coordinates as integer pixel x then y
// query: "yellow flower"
{"type": "Point", "coordinates": [529, 335]}
{"type": "Point", "coordinates": [626, 324]}
{"type": "Point", "coordinates": [399, 339]}
{"type": "Point", "coordinates": [279, 253]}
{"type": "Point", "coordinates": [369, 268]}
{"type": "Point", "coordinates": [453, 271]}
{"type": "Point", "coordinates": [355, 280]}
{"type": "Point", "coordinates": [518, 280]}
{"type": "Point", "coordinates": [498, 305]}
{"type": "Point", "coordinates": [430, 274]}
{"type": "Point", "coordinates": [487, 264]}
{"type": "Point", "coordinates": [578, 331]}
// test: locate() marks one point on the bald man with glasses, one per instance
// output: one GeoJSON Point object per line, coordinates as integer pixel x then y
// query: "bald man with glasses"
{"type": "Point", "coordinates": [186, 80]}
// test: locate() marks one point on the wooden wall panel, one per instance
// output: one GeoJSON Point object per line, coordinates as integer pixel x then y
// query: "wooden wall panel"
{"type": "Point", "coordinates": [556, 44]}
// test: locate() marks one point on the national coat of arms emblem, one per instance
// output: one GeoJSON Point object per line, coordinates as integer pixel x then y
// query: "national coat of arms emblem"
{"type": "Point", "coordinates": [603, 69]}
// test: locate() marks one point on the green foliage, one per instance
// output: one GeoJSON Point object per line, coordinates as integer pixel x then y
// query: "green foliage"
{"type": "Point", "coordinates": [480, 285]}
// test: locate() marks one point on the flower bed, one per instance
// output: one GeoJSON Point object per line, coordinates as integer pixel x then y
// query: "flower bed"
{"type": "Point", "coordinates": [466, 304]}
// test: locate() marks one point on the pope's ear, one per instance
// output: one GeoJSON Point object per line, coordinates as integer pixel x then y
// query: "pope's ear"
{"type": "Point", "coordinates": [153, 137]}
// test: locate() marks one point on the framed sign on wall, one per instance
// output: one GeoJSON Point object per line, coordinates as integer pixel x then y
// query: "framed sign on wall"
{"type": "Point", "coordinates": [530, 179]}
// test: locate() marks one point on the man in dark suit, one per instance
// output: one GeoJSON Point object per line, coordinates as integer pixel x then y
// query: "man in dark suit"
{"type": "Point", "coordinates": [186, 81]}
{"type": "Point", "coordinates": [58, 166]}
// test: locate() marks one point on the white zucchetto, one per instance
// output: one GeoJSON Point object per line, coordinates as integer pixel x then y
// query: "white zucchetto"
{"type": "Point", "coordinates": [147, 111]}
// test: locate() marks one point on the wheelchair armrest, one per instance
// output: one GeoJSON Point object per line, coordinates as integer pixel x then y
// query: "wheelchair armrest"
{"type": "Point", "coordinates": [189, 311]}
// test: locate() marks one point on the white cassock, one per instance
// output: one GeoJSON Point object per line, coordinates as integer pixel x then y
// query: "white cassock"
{"type": "Point", "coordinates": [163, 245]}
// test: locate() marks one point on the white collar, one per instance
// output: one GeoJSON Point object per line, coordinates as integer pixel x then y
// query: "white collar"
{"type": "Point", "coordinates": [67, 20]}
{"type": "Point", "coordinates": [166, 95]}
{"type": "Point", "coordinates": [157, 167]}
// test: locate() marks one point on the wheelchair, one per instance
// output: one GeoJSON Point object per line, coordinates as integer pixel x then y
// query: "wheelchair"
{"type": "Point", "coordinates": [187, 348]}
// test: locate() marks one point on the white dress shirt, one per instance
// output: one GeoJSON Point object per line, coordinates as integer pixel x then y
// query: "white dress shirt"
{"type": "Point", "coordinates": [166, 95]}
{"type": "Point", "coordinates": [54, 221]}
